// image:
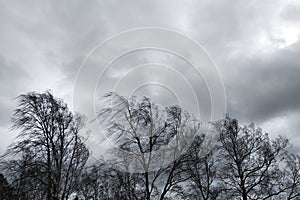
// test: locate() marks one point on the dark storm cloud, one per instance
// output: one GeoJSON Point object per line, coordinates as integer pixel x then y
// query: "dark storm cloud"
{"type": "Point", "coordinates": [265, 86]}
{"type": "Point", "coordinates": [254, 44]}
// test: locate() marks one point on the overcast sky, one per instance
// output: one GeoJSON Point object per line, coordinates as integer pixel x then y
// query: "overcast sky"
{"type": "Point", "coordinates": [255, 45]}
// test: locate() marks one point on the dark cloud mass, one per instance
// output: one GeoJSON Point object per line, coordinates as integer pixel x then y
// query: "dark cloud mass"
{"type": "Point", "coordinates": [255, 45]}
{"type": "Point", "coordinates": [266, 86]}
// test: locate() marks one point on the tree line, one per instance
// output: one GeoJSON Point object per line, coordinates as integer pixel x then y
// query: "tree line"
{"type": "Point", "coordinates": [158, 153]}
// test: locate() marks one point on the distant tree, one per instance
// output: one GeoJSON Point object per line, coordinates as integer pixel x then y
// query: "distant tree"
{"type": "Point", "coordinates": [46, 160]}
{"type": "Point", "coordinates": [99, 181]}
{"type": "Point", "coordinates": [145, 131]}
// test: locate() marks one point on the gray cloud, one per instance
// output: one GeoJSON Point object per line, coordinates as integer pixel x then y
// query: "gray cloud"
{"type": "Point", "coordinates": [264, 87]}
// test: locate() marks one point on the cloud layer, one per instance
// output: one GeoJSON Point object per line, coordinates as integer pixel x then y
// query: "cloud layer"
{"type": "Point", "coordinates": [255, 45]}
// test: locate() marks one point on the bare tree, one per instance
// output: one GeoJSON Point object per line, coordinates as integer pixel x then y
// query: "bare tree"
{"type": "Point", "coordinates": [49, 154]}
{"type": "Point", "coordinates": [152, 136]}
{"type": "Point", "coordinates": [100, 181]}
{"type": "Point", "coordinates": [155, 155]}
{"type": "Point", "coordinates": [203, 172]}
{"type": "Point", "coordinates": [249, 162]}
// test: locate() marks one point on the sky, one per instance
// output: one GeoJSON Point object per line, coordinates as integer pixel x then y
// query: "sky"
{"type": "Point", "coordinates": [255, 45]}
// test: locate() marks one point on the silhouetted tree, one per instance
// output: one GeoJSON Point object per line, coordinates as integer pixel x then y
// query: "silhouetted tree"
{"type": "Point", "coordinates": [48, 156]}
{"type": "Point", "coordinates": [158, 155]}
{"type": "Point", "coordinates": [249, 166]}
{"type": "Point", "coordinates": [203, 173]}
{"type": "Point", "coordinates": [99, 181]}
{"type": "Point", "coordinates": [152, 136]}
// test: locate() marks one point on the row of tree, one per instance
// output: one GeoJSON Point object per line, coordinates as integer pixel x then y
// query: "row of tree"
{"type": "Point", "coordinates": [158, 154]}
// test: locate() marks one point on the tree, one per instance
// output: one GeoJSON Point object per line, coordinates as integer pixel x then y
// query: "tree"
{"type": "Point", "coordinates": [48, 156]}
{"type": "Point", "coordinates": [158, 153]}
{"type": "Point", "coordinates": [99, 181]}
{"type": "Point", "coordinates": [249, 164]}
{"type": "Point", "coordinates": [203, 172]}
{"type": "Point", "coordinates": [150, 140]}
